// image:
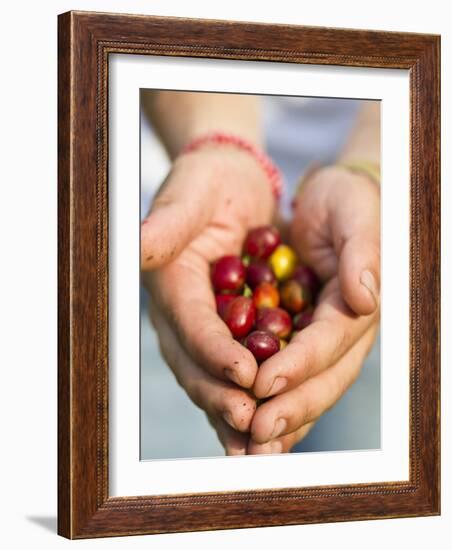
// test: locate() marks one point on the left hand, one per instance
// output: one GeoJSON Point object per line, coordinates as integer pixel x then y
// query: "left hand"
{"type": "Point", "coordinates": [336, 231]}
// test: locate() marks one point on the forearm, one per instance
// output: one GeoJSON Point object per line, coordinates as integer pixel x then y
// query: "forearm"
{"type": "Point", "coordinates": [364, 141]}
{"type": "Point", "coordinates": [179, 117]}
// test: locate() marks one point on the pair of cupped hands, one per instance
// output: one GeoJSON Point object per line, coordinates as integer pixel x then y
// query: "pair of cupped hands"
{"type": "Point", "coordinates": [203, 210]}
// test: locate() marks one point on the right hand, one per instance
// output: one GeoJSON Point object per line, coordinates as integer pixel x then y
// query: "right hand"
{"type": "Point", "coordinates": [203, 210]}
{"type": "Point", "coordinates": [336, 230]}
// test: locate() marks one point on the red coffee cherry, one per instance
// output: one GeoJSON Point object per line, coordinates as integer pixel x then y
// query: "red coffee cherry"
{"type": "Point", "coordinates": [239, 315]}
{"type": "Point", "coordinates": [228, 274]}
{"type": "Point", "coordinates": [262, 241]}
{"type": "Point", "coordinates": [307, 278]}
{"type": "Point", "coordinates": [274, 320]}
{"type": "Point", "coordinates": [259, 272]}
{"type": "Point", "coordinates": [303, 319]}
{"type": "Point", "coordinates": [262, 344]}
{"type": "Point", "coordinates": [222, 301]}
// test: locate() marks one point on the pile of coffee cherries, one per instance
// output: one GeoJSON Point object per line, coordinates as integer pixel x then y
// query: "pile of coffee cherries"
{"type": "Point", "coordinates": [267, 295]}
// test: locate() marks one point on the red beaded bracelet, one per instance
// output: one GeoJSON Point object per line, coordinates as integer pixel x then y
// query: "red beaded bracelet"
{"type": "Point", "coordinates": [273, 173]}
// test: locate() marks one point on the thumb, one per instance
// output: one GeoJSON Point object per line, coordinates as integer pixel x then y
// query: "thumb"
{"type": "Point", "coordinates": [180, 211]}
{"type": "Point", "coordinates": [359, 274]}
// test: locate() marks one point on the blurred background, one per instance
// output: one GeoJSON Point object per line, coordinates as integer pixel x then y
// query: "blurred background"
{"type": "Point", "coordinates": [298, 131]}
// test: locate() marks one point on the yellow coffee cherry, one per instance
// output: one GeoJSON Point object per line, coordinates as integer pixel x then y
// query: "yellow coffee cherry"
{"type": "Point", "coordinates": [283, 262]}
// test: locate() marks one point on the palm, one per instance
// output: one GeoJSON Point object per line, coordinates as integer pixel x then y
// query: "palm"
{"type": "Point", "coordinates": [207, 203]}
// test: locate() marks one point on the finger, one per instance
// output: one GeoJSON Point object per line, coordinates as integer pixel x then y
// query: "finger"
{"type": "Point", "coordinates": [335, 328]}
{"type": "Point", "coordinates": [280, 445]}
{"type": "Point", "coordinates": [355, 226]}
{"type": "Point", "coordinates": [184, 293]}
{"type": "Point", "coordinates": [217, 398]}
{"type": "Point", "coordinates": [178, 214]}
{"type": "Point", "coordinates": [290, 411]}
{"type": "Point", "coordinates": [359, 273]}
{"type": "Point", "coordinates": [234, 443]}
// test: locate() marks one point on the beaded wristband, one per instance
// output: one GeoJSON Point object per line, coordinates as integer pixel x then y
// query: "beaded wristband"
{"type": "Point", "coordinates": [222, 138]}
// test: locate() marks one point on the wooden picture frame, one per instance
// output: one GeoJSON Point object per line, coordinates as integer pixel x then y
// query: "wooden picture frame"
{"type": "Point", "coordinates": [85, 41]}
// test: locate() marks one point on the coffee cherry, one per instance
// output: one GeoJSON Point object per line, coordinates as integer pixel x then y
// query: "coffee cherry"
{"type": "Point", "coordinates": [248, 291]}
{"type": "Point", "coordinates": [283, 262]}
{"type": "Point", "coordinates": [262, 241]}
{"type": "Point", "coordinates": [228, 274]}
{"type": "Point", "coordinates": [239, 315]}
{"type": "Point", "coordinates": [307, 279]}
{"type": "Point", "coordinates": [262, 344]}
{"type": "Point", "coordinates": [266, 295]}
{"type": "Point", "coordinates": [259, 272]}
{"type": "Point", "coordinates": [303, 319]}
{"type": "Point", "coordinates": [222, 301]}
{"type": "Point", "coordinates": [294, 297]}
{"type": "Point", "coordinates": [274, 320]}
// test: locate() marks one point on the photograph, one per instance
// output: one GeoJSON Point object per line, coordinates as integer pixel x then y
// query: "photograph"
{"type": "Point", "coordinates": [248, 274]}
{"type": "Point", "coordinates": [260, 274]}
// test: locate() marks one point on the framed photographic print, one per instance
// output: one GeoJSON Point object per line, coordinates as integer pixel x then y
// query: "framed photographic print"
{"type": "Point", "coordinates": [248, 265]}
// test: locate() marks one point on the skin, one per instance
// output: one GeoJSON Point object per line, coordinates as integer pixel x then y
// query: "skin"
{"type": "Point", "coordinates": [203, 211]}
{"type": "Point", "coordinates": [216, 371]}
{"type": "Point", "coordinates": [341, 241]}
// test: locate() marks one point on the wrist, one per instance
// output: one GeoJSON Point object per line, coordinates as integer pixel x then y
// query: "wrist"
{"type": "Point", "coordinates": [364, 169]}
{"type": "Point", "coordinates": [214, 125]}
{"type": "Point", "coordinates": [225, 141]}
{"type": "Point", "coordinates": [340, 175]}
{"type": "Point", "coordinates": [180, 117]}
{"type": "Point", "coordinates": [334, 177]}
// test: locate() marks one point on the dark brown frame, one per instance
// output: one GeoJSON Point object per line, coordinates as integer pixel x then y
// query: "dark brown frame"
{"type": "Point", "coordinates": [85, 41]}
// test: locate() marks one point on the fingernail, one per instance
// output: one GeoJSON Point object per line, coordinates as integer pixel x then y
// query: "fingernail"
{"type": "Point", "coordinates": [368, 280]}
{"type": "Point", "coordinates": [279, 427]}
{"type": "Point", "coordinates": [233, 376]}
{"type": "Point", "coordinates": [234, 451]}
{"type": "Point", "coordinates": [276, 447]}
{"type": "Point", "coordinates": [228, 417]}
{"type": "Point", "coordinates": [277, 385]}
